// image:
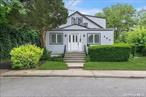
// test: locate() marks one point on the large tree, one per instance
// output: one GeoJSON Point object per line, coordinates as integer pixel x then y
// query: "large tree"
{"type": "Point", "coordinates": [42, 15]}
{"type": "Point", "coordinates": [119, 17]}
{"type": "Point", "coordinates": [141, 17]}
{"type": "Point", "coordinates": [5, 8]}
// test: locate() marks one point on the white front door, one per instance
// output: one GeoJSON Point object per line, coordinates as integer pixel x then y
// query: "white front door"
{"type": "Point", "coordinates": [75, 42]}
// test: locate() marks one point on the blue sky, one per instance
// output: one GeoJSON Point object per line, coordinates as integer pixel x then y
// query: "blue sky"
{"type": "Point", "coordinates": [93, 6]}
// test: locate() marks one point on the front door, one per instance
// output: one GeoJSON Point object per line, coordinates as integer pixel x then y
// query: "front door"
{"type": "Point", "coordinates": [74, 43]}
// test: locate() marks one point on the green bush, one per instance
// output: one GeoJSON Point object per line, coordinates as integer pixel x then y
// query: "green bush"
{"type": "Point", "coordinates": [116, 52]}
{"type": "Point", "coordinates": [46, 55]}
{"type": "Point", "coordinates": [57, 58]}
{"type": "Point", "coordinates": [25, 56]}
{"type": "Point", "coordinates": [144, 51]}
{"type": "Point", "coordinates": [11, 37]}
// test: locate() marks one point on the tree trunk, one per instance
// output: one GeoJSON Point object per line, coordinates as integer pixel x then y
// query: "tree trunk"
{"type": "Point", "coordinates": [42, 38]}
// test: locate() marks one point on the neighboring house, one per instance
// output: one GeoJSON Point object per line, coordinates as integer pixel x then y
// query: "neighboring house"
{"type": "Point", "coordinates": [79, 31]}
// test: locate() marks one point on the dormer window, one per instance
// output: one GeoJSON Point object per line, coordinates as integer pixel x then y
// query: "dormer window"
{"type": "Point", "coordinates": [73, 20]}
{"type": "Point", "coordinates": [80, 20]}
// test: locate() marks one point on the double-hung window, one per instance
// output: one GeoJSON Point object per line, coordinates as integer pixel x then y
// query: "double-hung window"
{"type": "Point", "coordinates": [80, 20]}
{"type": "Point", "coordinates": [93, 38]}
{"type": "Point", "coordinates": [56, 39]}
{"type": "Point", "coordinates": [73, 20]}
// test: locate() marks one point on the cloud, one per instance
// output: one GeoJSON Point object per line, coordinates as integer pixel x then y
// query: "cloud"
{"type": "Point", "coordinates": [72, 3]}
{"type": "Point", "coordinates": [90, 11]}
{"type": "Point", "coordinates": [141, 8]}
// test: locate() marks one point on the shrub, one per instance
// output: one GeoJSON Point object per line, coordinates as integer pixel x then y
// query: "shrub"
{"type": "Point", "coordinates": [117, 52]}
{"type": "Point", "coordinates": [25, 56]}
{"type": "Point", "coordinates": [46, 55]}
{"type": "Point", "coordinates": [57, 58]}
{"type": "Point", "coordinates": [11, 37]}
{"type": "Point", "coordinates": [144, 51]}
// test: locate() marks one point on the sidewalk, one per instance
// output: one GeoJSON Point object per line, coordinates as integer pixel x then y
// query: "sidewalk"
{"type": "Point", "coordinates": [75, 73]}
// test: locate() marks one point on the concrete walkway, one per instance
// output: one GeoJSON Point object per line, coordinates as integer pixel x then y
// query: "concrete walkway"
{"type": "Point", "coordinates": [75, 73]}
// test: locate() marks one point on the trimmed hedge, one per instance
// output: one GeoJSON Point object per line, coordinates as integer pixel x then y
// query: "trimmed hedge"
{"type": "Point", "coordinates": [117, 52]}
{"type": "Point", "coordinates": [144, 51]}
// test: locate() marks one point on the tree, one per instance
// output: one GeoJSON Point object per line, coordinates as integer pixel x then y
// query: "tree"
{"type": "Point", "coordinates": [119, 17]}
{"type": "Point", "coordinates": [100, 15]}
{"type": "Point", "coordinates": [42, 15]}
{"type": "Point", "coordinates": [137, 35]}
{"type": "Point", "coordinates": [5, 8]}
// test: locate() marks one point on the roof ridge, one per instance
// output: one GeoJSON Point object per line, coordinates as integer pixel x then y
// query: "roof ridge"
{"type": "Point", "coordinates": [72, 25]}
{"type": "Point", "coordinates": [93, 16]}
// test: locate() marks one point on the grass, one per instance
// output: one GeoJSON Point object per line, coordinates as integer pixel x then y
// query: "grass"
{"type": "Point", "coordinates": [52, 65]}
{"type": "Point", "coordinates": [138, 63]}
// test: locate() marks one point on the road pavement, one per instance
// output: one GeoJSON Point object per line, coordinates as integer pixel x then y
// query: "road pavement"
{"type": "Point", "coordinates": [72, 87]}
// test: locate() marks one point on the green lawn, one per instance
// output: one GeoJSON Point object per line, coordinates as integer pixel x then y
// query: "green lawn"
{"type": "Point", "coordinates": [138, 63]}
{"type": "Point", "coordinates": [52, 65]}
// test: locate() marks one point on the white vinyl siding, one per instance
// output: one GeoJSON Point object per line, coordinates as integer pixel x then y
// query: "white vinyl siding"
{"type": "Point", "coordinates": [56, 39]}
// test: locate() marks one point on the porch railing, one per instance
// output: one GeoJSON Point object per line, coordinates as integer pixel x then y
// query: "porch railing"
{"type": "Point", "coordinates": [64, 51]}
{"type": "Point", "coordinates": [85, 49]}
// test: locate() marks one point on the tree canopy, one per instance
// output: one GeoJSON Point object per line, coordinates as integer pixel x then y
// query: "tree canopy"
{"type": "Point", "coordinates": [6, 7]}
{"type": "Point", "coordinates": [41, 15]}
{"type": "Point", "coordinates": [119, 17]}
{"type": "Point", "coordinates": [137, 35]}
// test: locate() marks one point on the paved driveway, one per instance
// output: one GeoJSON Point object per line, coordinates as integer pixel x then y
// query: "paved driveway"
{"type": "Point", "coordinates": [72, 87]}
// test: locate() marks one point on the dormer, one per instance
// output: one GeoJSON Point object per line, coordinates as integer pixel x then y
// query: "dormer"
{"type": "Point", "coordinates": [84, 20]}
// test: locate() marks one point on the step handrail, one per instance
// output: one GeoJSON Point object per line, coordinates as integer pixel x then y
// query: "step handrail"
{"type": "Point", "coordinates": [85, 50]}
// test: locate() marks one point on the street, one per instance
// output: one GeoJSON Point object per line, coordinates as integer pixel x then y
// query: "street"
{"type": "Point", "coordinates": [72, 87]}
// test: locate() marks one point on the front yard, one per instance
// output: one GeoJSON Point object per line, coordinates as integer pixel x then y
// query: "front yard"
{"type": "Point", "coordinates": [53, 65]}
{"type": "Point", "coordinates": [138, 63]}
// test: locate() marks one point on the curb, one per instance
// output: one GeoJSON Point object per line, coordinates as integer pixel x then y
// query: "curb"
{"type": "Point", "coordinates": [104, 76]}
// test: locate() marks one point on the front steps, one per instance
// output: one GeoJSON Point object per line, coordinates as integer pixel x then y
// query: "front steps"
{"type": "Point", "coordinates": [75, 59]}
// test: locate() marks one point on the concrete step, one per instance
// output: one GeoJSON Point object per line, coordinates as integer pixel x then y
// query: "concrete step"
{"type": "Point", "coordinates": [74, 55]}
{"type": "Point", "coordinates": [75, 52]}
{"type": "Point", "coordinates": [75, 65]}
{"type": "Point", "coordinates": [74, 58]}
{"type": "Point", "coordinates": [74, 61]}
{"type": "Point", "coordinates": [82, 57]}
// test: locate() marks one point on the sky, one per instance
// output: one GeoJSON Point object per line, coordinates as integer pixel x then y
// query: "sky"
{"type": "Point", "coordinates": [91, 7]}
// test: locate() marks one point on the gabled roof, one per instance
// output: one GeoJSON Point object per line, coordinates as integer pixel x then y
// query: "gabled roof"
{"type": "Point", "coordinates": [93, 16]}
{"type": "Point", "coordinates": [90, 29]}
{"type": "Point", "coordinates": [86, 18]}
{"type": "Point", "coordinates": [73, 25]}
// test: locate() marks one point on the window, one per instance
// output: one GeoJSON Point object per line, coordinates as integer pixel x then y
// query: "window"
{"type": "Point", "coordinates": [90, 39]}
{"type": "Point", "coordinates": [56, 38]}
{"type": "Point", "coordinates": [93, 38]}
{"type": "Point", "coordinates": [86, 24]}
{"type": "Point", "coordinates": [80, 20]}
{"type": "Point", "coordinates": [73, 20]}
{"type": "Point", "coordinates": [96, 38]}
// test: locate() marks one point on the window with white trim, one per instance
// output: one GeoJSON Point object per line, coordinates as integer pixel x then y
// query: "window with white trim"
{"type": "Point", "coordinates": [56, 39]}
{"type": "Point", "coordinates": [80, 20]}
{"type": "Point", "coordinates": [93, 38]}
{"type": "Point", "coordinates": [73, 20]}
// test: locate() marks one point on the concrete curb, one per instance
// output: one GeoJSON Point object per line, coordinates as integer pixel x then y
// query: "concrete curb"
{"type": "Point", "coordinates": [75, 73]}
{"type": "Point", "coordinates": [101, 76]}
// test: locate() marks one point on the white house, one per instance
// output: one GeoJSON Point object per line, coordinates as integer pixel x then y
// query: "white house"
{"type": "Point", "coordinates": [79, 32]}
